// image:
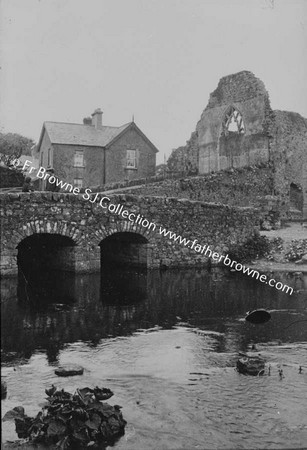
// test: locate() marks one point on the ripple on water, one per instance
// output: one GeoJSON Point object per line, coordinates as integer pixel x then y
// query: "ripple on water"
{"type": "Point", "coordinates": [170, 360]}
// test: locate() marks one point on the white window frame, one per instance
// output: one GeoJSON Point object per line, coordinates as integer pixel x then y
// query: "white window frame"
{"type": "Point", "coordinates": [79, 158]}
{"type": "Point", "coordinates": [131, 162]}
{"type": "Point", "coordinates": [78, 182]}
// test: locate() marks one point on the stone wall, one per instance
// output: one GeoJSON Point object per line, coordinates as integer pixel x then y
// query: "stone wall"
{"type": "Point", "coordinates": [289, 152]}
{"type": "Point", "coordinates": [238, 187]}
{"type": "Point", "coordinates": [219, 149]}
{"type": "Point", "coordinates": [87, 224]}
{"type": "Point", "coordinates": [278, 137]}
{"type": "Point", "coordinates": [185, 160]}
{"type": "Point", "coordinates": [212, 146]}
{"type": "Point", "coordinates": [177, 161]}
{"type": "Point", "coordinates": [305, 192]}
{"type": "Point", "coordinates": [251, 186]}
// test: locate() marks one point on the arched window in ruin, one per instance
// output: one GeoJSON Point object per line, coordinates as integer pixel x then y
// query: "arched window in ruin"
{"type": "Point", "coordinates": [233, 122]}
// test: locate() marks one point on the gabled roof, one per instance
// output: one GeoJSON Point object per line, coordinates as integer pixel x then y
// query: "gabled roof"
{"type": "Point", "coordinates": [132, 125]}
{"type": "Point", "coordinates": [79, 134]}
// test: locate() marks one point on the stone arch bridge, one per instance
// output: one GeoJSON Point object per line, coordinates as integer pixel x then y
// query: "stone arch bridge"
{"type": "Point", "coordinates": [77, 233]}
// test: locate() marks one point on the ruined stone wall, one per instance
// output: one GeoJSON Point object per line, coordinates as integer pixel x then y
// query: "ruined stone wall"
{"type": "Point", "coordinates": [192, 154]}
{"type": "Point", "coordinates": [289, 152]}
{"type": "Point", "coordinates": [239, 187]}
{"type": "Point", "coordinates": [218, 151]}
{"type": "Point", "coordinates": [185, 160]}
{"type": "Point", "coordinates": [251, 186]}
{"type": "Point", "coordinates": [88, 224]}
{"type": "Point", "coordinates": [305, 192]}
{"type": "Point", "coordinates": [176, 163]}
{"type": "Point", "coordinates": [277, 137]}
{"type": "Point", "coordinates": [210, 148]}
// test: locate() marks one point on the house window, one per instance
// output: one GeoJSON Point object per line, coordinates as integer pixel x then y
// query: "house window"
{"type": "Point", "coordinates": [78, 182]}
{"type": "Point", "coordinates": [42, 158]}
{"type": "Point", "coordinates": [49, 164]}
{"type": "Point", "coordinates": [131, 159]}
{"type": "Point", "coordinates": [78, 159]}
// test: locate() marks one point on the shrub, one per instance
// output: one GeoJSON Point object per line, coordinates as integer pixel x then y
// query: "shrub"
{"type": "Point", "coordinates": [255, 247]}
{"type": "Point", "coordinates": [297, 249]}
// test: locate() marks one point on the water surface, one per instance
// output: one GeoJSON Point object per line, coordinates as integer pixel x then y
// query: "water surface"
{"type": "Point", "coordinates": [166, 343]}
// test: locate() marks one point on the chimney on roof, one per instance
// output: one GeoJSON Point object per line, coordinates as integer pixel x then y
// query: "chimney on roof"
{"type": "Point", "coordinates": [87, 121]}
{"type": "Point", "coordinates": [97, 119]}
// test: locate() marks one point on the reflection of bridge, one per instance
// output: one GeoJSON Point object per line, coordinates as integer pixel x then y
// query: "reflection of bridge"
{"type": "Point", "coordinates": [66, 231]}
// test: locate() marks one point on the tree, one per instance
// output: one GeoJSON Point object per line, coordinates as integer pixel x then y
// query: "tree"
{"type": "Point", "coordinates": [15, 145]}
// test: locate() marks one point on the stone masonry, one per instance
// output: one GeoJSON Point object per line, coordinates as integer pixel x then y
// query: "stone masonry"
{"type": "Point", "coordinates": [87, 224]}
{"type": "Point", "coordinates": [246, 186]}
{"type": "Point", "coordinates": [238, 128]}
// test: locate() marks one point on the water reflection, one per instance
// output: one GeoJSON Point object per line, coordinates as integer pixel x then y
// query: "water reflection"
{"type": "Point", "coordinates": [49, 310]}
{"type": "Point", "coordinates": [166, 343]}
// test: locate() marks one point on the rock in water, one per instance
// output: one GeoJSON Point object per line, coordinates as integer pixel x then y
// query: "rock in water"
{"type": "Point", "coordinates": [102, 394]}
{"type": "Point", "coordinates": [258, 316]}
{"type": "Point", "coordinates": [69, 370]}
{"type": "Point", "coordinates": [251, 366]}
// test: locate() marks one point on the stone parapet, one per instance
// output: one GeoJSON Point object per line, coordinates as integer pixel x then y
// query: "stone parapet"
{"type": "Point", "coordinates": [87, 224]}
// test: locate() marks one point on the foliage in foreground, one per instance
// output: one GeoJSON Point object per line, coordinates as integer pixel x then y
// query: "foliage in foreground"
{"type": "Point", "coordinates": [297, 249]}
{"type": "Point", "coordinates": [72, 421]}
{"type": "Point", "coordinates": [255, 247]}
{"type": "Point", "coordinates": [15, 145]}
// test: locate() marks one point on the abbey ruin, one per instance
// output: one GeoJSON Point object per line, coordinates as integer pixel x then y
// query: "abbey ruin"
{"type": "Point", "coordinates": [238, 129]}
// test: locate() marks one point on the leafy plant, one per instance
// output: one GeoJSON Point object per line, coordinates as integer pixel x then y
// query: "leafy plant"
{"type": "Point", "coordinates": [72, 421]}
{"type": "Point", "coordinates": [255, 247]}
{"type": "Point", "coordinates": [297, 249]}
{"type": "Point", "coordinates": [15, 145]}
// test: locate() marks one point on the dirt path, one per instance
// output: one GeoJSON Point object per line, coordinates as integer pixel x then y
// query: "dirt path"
{"type": "Point", "coordinates": [272, 266]}
{"type": "Point", "coordinates": [278, 261]}
{"type": "Point", "coordinates": [290, 231]}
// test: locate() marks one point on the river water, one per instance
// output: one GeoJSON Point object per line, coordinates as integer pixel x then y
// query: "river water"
{"type": "Point", "coordinates": [166, 343]}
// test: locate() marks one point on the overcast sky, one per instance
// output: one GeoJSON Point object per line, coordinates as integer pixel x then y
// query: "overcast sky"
{"type": "Point", "coordinates": [156, 59]}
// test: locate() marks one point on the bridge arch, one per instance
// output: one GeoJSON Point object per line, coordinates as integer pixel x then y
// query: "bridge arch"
{"type": "Point", "coordinates": [46, 244]}
{"type": "Point", "coordinates": [125, 249]}
{"type": "Point", "coordinates": [96, 235]}
{"type": "Point", "coordinates": [41, 252]}
{"type": "Point", "coordinates": [62, 228]}
{"type": "Point", "coordinates": [123, 243]}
